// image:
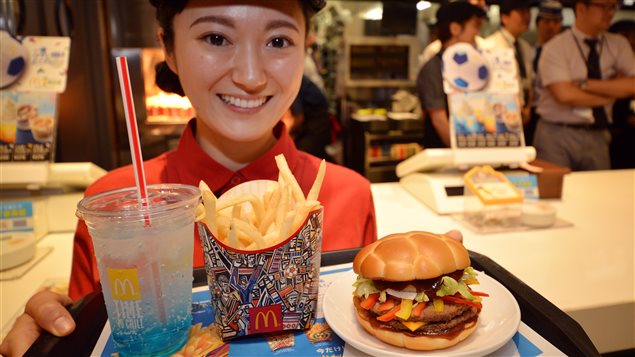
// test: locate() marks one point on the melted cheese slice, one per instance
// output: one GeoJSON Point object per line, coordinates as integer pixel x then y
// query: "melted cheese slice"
{"type": "Point", "coordinates": [413, 325]}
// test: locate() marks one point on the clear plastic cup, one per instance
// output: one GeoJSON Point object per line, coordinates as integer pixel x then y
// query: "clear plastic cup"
{"type": "Point", "coordinates": [144, 257]}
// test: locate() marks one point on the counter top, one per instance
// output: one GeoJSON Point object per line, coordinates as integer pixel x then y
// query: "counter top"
{"type": "Point", "coordinates": [586, 270]}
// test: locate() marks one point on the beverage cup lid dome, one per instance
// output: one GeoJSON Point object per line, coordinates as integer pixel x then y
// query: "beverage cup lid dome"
{"type": "Point", "coordinates": [124, 203]}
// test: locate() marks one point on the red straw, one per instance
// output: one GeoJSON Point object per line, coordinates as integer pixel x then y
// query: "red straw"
{"type": "Point", "coordinates": [133, 132]}
{"type": "Point", "coordinates": [137, 162]}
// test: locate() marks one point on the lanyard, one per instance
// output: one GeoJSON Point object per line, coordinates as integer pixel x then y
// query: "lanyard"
{"type": "Point", "coordinates": [585, 58]}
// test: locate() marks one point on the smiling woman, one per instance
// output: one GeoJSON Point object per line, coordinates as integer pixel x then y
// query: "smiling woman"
{"type": "Point", "coordinates": [240, 64]}
{"type": "Point", "coordinates": [241, 67]}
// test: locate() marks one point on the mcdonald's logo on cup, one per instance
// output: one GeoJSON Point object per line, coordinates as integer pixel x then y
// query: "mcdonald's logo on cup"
{"type": "Point", "coordinates": [265, 319]}
{"type": "Point", "coordinates": [124, 284]}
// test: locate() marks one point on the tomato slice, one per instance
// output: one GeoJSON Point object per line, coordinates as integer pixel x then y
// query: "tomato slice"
{"type": "Point", "coordinates": [461, 301]}
{"type": "Point", "coordinates": [389, 315]}
{"type": "Point", "coordinates": [370, 301]}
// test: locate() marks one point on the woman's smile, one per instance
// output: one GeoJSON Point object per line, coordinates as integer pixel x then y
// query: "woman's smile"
{"type": "Point", "coordinates": [241, 103]}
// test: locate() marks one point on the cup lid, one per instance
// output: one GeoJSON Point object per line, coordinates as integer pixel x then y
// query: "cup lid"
{"type": "Point", "coordinates": [124, 203]}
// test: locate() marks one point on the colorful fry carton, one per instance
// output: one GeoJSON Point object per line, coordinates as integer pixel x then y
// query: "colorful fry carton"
{"type": "Point", "coordinates": [267, 290]}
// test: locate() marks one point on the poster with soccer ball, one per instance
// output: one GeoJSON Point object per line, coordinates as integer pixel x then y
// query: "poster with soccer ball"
{"type": "Point", "coordinates": [33, 70]}
{"type": "Point", "coordinates": [482, 90]}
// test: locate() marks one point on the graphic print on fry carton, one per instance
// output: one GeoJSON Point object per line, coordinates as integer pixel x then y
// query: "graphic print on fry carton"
{"type": "Point", "coordinates": [286, 275]}
{"type": "Point", "coordinates": [126, 294]}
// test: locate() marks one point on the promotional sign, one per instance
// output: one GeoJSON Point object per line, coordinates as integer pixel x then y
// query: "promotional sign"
{"type": "Point", "coordinates": [482, 90]}
{"type": "Point", "coordinates": [45, 61]}
{"type": "Point", "coordinates": [27, 125]}
{"type": "Point", "coordinates": [34, 70]}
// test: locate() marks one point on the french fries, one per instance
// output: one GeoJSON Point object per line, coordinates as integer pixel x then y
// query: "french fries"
{"type": "Point", "coordinates": [247, 221]}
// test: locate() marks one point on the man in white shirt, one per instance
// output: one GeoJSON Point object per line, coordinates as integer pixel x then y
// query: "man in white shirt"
{"type": "Point", "coordinates": [548, 25]}
{"type": "Point", "coordinates": [584, 70]}
{"type": "Point", "coordinates": [514, 18]}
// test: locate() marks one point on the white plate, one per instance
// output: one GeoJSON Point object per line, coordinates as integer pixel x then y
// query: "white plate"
{"type": "Point", "coordinates": [497, 323]}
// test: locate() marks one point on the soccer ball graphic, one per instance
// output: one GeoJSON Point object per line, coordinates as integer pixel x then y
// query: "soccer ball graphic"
{"type": "Point", "coordinates": [465, 68]}
{"type": "Point", "coordinates": [13, 59]}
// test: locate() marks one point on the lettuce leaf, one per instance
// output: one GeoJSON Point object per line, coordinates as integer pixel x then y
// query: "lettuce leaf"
{"type": "Point", "coordinates": [364, 287]}
{"type": "Point", "coordinates": [450, 287]}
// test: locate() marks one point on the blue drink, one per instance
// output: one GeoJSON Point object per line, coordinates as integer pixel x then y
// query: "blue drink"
{"type": "Point", "coordinates": [144, 256]}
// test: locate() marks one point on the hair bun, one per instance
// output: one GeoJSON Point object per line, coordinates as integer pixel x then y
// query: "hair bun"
{"type": "Point", "coordinates": [317, 5]}
{"type": "Point", "coordinates": [167, 80]}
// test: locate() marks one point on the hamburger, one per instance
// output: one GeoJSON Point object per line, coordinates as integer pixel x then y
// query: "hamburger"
{"type": "Point", "coordinates": [412, 291]}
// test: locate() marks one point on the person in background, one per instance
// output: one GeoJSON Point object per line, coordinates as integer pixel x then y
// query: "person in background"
{"type": "Point", "coordinates": [584, 70]}
{"type": "Point", "coordinates": [435, 46]}
{"type": "Point", "coordinates": [548, 25]}
{"type": "Point", "coordinates": [240, 63]}
{"type": "Point", "coordinates": [622, 147]}
{"type": "Point", "coordinates": [308, 120]}
{"type": "Point", "coordinates": [514, 20]}
{"type": "Point", "coordinates": [311, 64]}
{"type": "Point", "coordinates": [457, 22]}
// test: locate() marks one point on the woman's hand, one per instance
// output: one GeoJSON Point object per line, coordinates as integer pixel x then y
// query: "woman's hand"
{"type": "Point", "coordinates": [44, 311]}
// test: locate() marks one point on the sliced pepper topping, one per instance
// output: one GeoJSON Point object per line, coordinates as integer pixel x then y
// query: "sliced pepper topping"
{"type": "Point", "coordinates": [389, 304]}
{"type": "Point", "coordinates": [437, 304]}
{"type": "Point", "coordinates": [370, 301]}
{"type": "Point", "coordinates": [418, 309]}
{"type": "Point", "coordinates": [389, 315]}
{"type": "Point", "coordinates": [405, 309]}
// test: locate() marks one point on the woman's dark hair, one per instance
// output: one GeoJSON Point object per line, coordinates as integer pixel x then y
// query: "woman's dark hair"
{"type": "Point", "coordinates": [167, 9]}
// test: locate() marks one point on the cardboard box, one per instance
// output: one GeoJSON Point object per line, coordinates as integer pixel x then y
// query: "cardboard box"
{"type": "Point", "coordinates": [267, 290]}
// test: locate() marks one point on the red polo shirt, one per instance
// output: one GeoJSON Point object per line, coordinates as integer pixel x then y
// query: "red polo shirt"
{"type": "Point", "coordinates": [349, 214]}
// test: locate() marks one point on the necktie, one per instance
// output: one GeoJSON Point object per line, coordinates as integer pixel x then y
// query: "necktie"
{"type": "Point", "coordinates": [594, 72]}
{"type": "Point", "coordinates": [537, 58]}
{"type": "Point", "coordinates": [519, 59]}
{"type": "Point", "coordinates": [523, 71]}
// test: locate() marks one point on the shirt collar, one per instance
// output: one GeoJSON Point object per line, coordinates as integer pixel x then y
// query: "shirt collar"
{"type": "Point", "coordinates": [507, 36]}
{"type": "Point", "coordinates": [581, 36]}
{"type": "Point", "coordinates": [189, 163]}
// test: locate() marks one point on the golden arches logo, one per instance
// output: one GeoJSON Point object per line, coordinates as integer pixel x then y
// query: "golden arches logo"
{"type": "Point", "coordinates": [124, 284]}
{"type": "Point", "coordinates": [264, 316]}
{"type": "Point", "coordinates": [265, 319]}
